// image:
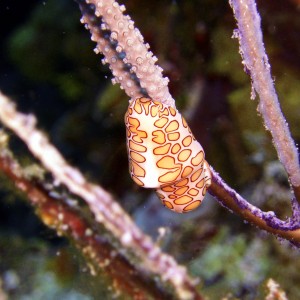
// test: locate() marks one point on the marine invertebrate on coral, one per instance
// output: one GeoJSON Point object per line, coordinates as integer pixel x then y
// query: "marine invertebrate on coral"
{"type": "Point", "coordinates": [255, 62]}
{"type": "Point", "coordinates": [134, 67]}
{"type": "Point", "coordinates": [93, 10]}
{"type": "Point", "coordinates": [163, 154]}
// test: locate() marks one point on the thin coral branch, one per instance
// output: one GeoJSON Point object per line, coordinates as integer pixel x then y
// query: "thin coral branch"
{"type": "Point", "coordinates": [62, 215]}
{"type": "Point", "coordinates": [107, 45]}
{"type": "Point", "coordinates": [105, 209]}
{"type": "Point", "coordinates": [130, 50]}
{"type": "Point", "coordinates": [123, 33]}
{"type": "Point", "coordinates": [289, 229]}
{"type": "Point", "coordinates": [256, 62]}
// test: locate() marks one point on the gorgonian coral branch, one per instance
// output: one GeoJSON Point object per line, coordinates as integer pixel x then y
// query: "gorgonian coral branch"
{"type": "Point", "coordinates": [256, 62]}
{"type": "Point", "coordinates": [131, 54]}
{"type": "Point", "coordinates": [108, 46]}
{"type": "Point", "coordinates": [288, 229]}
{"type": "Point", "coordinates": [64, 216]}
{"type": "Point", "coordinates": [105, 209]}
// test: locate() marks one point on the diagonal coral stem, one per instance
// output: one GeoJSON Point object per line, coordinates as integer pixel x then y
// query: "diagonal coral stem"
{"type": "Point", "coordinates": [130, 48]}
{"type": "Point", "coordinates": [107, 45]}
{"type": "Point", "coordinates": [66, 219]}
{"type": "Point", "coordinates": [256, 62]}
{"type": "Point", "coordinates": [105, 209]}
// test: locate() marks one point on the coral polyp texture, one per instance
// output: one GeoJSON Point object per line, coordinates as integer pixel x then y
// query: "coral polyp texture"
{"type": "Point", "coordinates": [164, 155]}
{"type": "Point", "coordinates": [123, 47]}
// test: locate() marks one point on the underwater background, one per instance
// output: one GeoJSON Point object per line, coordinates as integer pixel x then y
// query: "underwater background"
{"type": "Point", "coordinates": [49, 68]}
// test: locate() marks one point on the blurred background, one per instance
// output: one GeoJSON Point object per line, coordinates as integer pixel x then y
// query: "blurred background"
{"type": "Point", "coordinates": [49, 68]}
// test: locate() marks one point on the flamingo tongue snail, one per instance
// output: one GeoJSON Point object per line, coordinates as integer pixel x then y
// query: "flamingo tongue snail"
{"type": "Point", "coordinates": [164, 155]}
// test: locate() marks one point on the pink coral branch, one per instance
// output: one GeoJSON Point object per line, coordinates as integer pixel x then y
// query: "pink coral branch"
{"type": "Point", "coordinates": [256, 62]}
{"type": "Point", "coordinates": [130, 48]}
{"type": "Point", "coordinates": [106, 45]}
{"type": "Point", "coordinates": [105, 209]}
{"type": "Point", "coordinates": [60, 213]}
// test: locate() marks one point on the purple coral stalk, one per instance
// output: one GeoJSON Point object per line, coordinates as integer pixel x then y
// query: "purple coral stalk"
{"type": "Point", "coordinates": [256, 62]}
{"type": "Point", "coordinates": [288, 229]}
